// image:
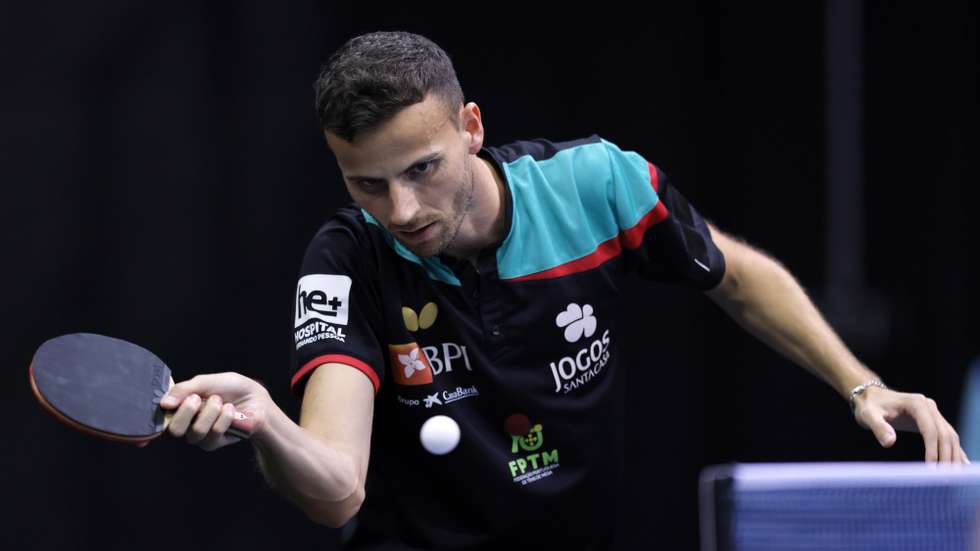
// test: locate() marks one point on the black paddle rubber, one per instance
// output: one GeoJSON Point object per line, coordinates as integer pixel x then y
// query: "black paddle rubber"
{"type": "Point", "coordinates": [103, 385]}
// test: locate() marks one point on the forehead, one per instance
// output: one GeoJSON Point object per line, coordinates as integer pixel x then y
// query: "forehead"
{"type": "Point", "coordinates": [415, 131]}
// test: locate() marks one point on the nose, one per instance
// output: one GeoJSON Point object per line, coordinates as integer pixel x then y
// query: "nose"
{"type": "Point", "coordinates": [404, 205]}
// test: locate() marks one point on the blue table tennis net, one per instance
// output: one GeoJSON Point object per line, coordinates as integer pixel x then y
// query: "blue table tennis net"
{"type": "Point", "coordinates": [889, 513]}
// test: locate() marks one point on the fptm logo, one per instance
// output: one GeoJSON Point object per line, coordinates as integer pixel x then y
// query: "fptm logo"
{"type": "Point", "coordinates": [529, 467]}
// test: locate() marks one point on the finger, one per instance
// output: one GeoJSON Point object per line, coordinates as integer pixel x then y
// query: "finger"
{"type": "Point", "coordinates": [960, 455]}
{"type": "Point", "coordinates": [956, 452]}
{"type": "Point", "coordinates": [881, 429]}
{"type": "Point", "coordinates": [184, 415]}
{"type": "Point", "coordinates": [169, 401]}
{"type": "Point", "coordinates": [948, 439]}
{"type": "Point", "coordinates": [179, 392]}
{"type": "Point", "coordinates": [944, 437]}
{"type": "Point", "coordinates": [204, 385]}
{"type": "Point", "coordinates": [951, 442]}
{"type": "Point", "coordinates": [216, 439]}
{"type": "Point", "coordinates": [226, 416]}
{"type": "Point", "coordinates": [205, 419]}
{"type": "Point", "coordinates": [927, 428]}
{"type": "Point", "coordinates": [945, 448]}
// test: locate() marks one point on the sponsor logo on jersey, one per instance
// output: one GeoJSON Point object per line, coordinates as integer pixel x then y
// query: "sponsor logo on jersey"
{"type": "Point", "coordinates": [577, 321]}
{"type": "Point", "coordinates": [441, 398]}
{"type": "Point", "coordinates": [459, 393]}
{"type": "Point", "coordinates": [410, 402]}
{"type": "Point", "coordinates": [322, 308]}
{"type": "Point", "coordinates": [409, 366]}
{"type": "Point", "coordinates": [534, 461]}
{"type": "Point", "coordinates": [447, 356]}
{"type": "Point", "coordinates": [423, 319]}
{"type": "Point", "coordinates": [415, 365]}
{"type": "Point", "coordinates": [324, 297]}
{"type": "Point", "coordinates": [438, 359]}
{"type": "Point", "coordinates": [573, 371]}
{"type": "Point", "coordinates": [431, 400]}
{"type": "Point", "coordinates": [318, 331]}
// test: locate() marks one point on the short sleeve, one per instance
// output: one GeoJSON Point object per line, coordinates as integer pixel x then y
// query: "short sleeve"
{"type": "Point", "coordinates": [336, 309]}
{"type": "Point", "coordinates": [664, 238]}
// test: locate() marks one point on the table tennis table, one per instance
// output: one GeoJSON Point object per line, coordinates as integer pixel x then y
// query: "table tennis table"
{"type": "Point", "coordinates": [840, 507]}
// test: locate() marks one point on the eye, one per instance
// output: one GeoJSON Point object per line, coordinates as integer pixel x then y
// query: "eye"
{"type": "Point", "coordinates": [423, 168]}
{"type": "Point", "coordinates": [370, 186]}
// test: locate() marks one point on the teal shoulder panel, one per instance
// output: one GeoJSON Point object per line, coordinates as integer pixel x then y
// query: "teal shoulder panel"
{"type": "Point", "coordinates": [565, 206]}
{"type": "Point", "coordinates": [633, 196]}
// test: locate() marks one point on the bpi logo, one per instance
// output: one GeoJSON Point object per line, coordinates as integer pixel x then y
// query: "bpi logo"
{"type": "Point", "coordinates": [323, 297]}
{"type": "Point", "coordinates": [409, 364]}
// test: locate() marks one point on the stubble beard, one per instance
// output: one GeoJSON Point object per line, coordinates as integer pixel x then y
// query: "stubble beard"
{"type": "Point", "coordinates": [462, 205]}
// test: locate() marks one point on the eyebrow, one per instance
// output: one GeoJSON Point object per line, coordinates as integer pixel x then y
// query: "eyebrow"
{"type": "Point", "coordinates": [427, 158]}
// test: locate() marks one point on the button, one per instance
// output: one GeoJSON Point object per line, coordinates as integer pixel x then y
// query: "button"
{"type": "Point", "coordinates": [476, 293]}
{"type": "Point", "coordinates": [495, 331]}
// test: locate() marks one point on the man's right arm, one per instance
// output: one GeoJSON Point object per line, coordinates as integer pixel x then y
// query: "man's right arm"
{"type": "Point", "coordinates": [319, 464]}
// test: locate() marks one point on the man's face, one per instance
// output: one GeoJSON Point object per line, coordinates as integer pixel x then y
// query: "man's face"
{"type": "Point", "coordinates": [413, 174]}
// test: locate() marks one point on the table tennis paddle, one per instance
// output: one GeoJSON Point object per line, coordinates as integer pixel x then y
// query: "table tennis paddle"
{"type": "Point", "coordinates": [108, 387]}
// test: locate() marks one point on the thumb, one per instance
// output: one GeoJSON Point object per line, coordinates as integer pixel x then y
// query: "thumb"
{"type": "Point", "coordinates": [882, 431]}
{"type": "Point", "coordinates": [182, 390]}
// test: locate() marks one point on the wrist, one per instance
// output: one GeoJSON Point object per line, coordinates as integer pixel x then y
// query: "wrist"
{"type": "Point", "coordinates": [271, 421]}
{"type": "Point", "coordinates": [854, 375]}
{"type": "Point", "coordinates": [860, 389]}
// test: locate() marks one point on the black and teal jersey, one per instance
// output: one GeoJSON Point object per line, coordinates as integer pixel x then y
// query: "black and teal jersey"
{"type": "Point", "coordinates": [521, 349]}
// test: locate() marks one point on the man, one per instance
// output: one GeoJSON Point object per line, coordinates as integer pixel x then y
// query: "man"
{"type": "Point", "coordinates": [480, 284]}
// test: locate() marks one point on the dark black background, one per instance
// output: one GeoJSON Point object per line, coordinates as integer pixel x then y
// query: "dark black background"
{"type": "Point", "coordinates": [162, 173]}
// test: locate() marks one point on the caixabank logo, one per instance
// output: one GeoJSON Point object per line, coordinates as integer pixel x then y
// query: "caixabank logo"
{"type": "Point", "coordinates": [575, 370]}
{"type": "Point", "coordinates": [322, 308]}
{"type": "Point", "coordinates": [534, 460]}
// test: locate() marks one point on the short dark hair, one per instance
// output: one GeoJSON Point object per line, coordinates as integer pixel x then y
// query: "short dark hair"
{"type": "Point", "coordinates": [373, 76]}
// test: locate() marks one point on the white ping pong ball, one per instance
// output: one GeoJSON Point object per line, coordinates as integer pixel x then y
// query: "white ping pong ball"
{"type": "Point", "coordinates": [439, 435]}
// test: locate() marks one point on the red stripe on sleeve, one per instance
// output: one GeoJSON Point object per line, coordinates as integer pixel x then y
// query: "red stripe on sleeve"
{"type": "Point", "coordinates": [654, 177]}
{"type": "Point", "coordinates": [364, 368]}
{"type": "Point", "coordinates": [607, 250]}
{"type": "Point", "coordinates": [633, 237]}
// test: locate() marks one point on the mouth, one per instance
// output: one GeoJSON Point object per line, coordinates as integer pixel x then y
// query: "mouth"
{"type": "Point", "coordinates": [419, 234]}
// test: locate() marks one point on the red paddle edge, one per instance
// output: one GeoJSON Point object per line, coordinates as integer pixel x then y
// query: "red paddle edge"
{"type": "Point", "coordinates": [135, 440]}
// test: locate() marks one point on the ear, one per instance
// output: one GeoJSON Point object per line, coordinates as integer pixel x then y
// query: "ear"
{"type": "Point", "coordinates": [471, 124]}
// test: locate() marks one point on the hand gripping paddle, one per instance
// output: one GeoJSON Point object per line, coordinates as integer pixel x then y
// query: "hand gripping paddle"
{"type": "Point", "coordinates": [108, 387]}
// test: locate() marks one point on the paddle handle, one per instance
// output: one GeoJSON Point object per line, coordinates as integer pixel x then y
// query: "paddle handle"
{"type": "Point", "coordinates": [241, 426]}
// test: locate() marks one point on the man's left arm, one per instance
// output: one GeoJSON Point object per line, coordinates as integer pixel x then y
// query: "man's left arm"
{"type": "Point", "coordinates": [765, 299]}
